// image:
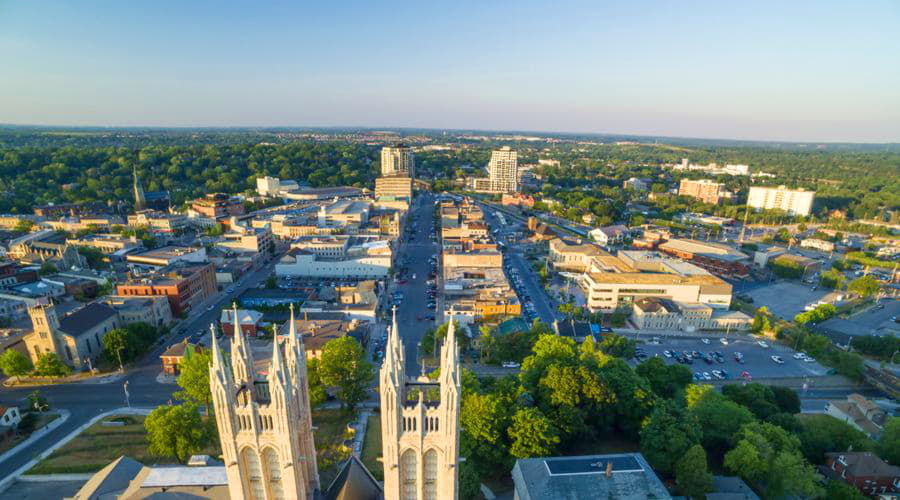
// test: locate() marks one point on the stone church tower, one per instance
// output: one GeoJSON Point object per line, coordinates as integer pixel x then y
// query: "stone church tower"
{"type": "Point", "coordinates": [264, 423]}
{"type": "Point", "coordinates": [420, 424]}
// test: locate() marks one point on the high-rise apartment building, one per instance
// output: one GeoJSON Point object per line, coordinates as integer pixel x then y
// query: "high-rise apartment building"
{"type": "Point", "coordinates": [792, 201]}
{"type": "Point", "coordinates": [503, 170]}
{"type": "Point", "coordinates": [398, 160]}
{"type": "Point", "coordinates": [704, 190]}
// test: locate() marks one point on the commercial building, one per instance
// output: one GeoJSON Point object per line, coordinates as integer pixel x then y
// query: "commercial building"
{"type": "Point", "coordinates": [344, 212]}
{"type": "Point", "coordinates": [257, 240]}
{"type": "Point", "coordinates": [370, 260]}
{"type": "Point", "coordinates": [615, 282]}
{"type": "Point", "coordinates": [655, 313]}
{"type": "Point", "coordinates": [164, 256]}
{"type": "Point", "coordinates": [185, 284]}
{"type": "Point", "coordinates": [517, 200]}
{"type": "Point", "coordinates": [274, 187]}
{"type": "Point", "coordinates": [398, 160]}
{"type": "Point", "coordinates": [792, 201]}
{"type": "Point", "coordinates": [147, 309]}
{"type": "Point", "coordinates": [394, 187]}
{"type": "Point", "coordinates": [108, 244]}
{"type": "Point", "coordinates": [704, 190]}
{"type": "Point", "coordinates": [503, 170]}
{"type": "Point", "coordinates": [573, 257]}
{"type": "Point", "coordinates": [714, 257]}
{"type": "Point", "coordinates": [817, 244]}
{"type": "Point", "coordinates": [625, 476]}
{"type": "Point", "coordinates": [218, 206]}
{"type": "Point", "coordinates": [163, 222]}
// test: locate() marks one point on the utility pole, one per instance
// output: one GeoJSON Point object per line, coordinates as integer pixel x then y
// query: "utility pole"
{"type": "Point", "coordinates": [127, 396]}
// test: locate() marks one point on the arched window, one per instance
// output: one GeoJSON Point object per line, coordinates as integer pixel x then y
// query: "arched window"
{"type": "Point", "coordinates": [253, 473]}
{"type": "Point", "coordinates": [431, 467]}
{"type": "Point", "coordinates": [273, 473]}
{"type": "Point", "coordinates": [408, 466]}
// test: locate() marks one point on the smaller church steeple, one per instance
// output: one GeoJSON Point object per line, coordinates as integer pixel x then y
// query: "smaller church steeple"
{"type": "Point", "coordinates": [241, 355]}
{"type": "Point", "coordinates": [140, 201]}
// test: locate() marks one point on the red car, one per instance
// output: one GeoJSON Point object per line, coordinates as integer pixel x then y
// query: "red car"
{"type": "Point", "coordinates": [401, 282]}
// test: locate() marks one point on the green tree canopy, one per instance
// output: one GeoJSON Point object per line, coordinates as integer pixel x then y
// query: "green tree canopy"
{"type": "Point", "coordinates": [865, 286]}
{"type": "Point", "coordinates": [665, 380]}
{"type": "Point", "coordinates": [176, 431]}
{"type": "Point", "coordinates": [14, 363]}
{"type": "Point", "coordinates": [889, 444]}
{"type": "Point", "coordinates": [49, 365]}
{"type": "Point", "coordinates": [691, 474]}
{"type": "Point", "coordinates": [821, 434]}
{"type": "Point", "coordinates": [532, 434]}
{"type": "Point", "coordinates": [194, 377]}
{"type": "Point", "coordinates": [343, 365]}
{"type": "Point", "coordinates": [667, 435]}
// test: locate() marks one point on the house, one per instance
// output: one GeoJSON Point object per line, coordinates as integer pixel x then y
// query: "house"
{"type": "Point", "coordinates": [175, 354]}
{"type": "Point", "coordinates": [863, 470]}
{"type": "Point", "coordinates": [858, 412]}
{"type": "Point", "coordinates": [248, 319]}
{"type": "Point", "coordinates": [609, 235]}
{"type": "Point", "coordinates": [318, 332]}
{"type": "Point", "coordinates": [9, 421]}
{"type": "Point", "coordinates": [621, 476]}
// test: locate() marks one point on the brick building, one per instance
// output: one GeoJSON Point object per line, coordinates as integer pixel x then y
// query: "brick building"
{"type": "Point", "coordinates": [186, 284]}
{"type": "Point", "coordinates": [218, 206]}
{"type": "Point", "coordinates": [863, 470]}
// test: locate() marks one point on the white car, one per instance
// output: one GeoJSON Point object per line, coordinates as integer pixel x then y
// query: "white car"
{"type": "Point", "coordinates": [705, 341]}
{"type": "Point", "coordinates": [723, 341]}
{"type": "Point", "coordinates": [667, 354]}
{"type": "Point", "coordinates": [763, 344]}
{"type": "Point", "coordinates": [777, 360]}
{"type": "Point", "coordinates": [808, 359]}
{"type": "Point", "coordinates": [707, 376]}
{"type": "Point", "coordinates": [799, 355]}
{"type": "Point", "coordinates": [509, 364]}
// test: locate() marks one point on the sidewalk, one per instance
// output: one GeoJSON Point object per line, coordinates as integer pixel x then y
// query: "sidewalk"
{"type": "Point", "coordinates": [9, 480]}
{"type": "Point", "coordinates": [79, 378]}
{"type": "Point", "coordinates": [63, 416]}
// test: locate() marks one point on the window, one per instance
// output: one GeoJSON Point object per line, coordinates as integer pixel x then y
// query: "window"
{"type": "Point", "coordinates": [253, 473]}
{"type": "Point", "coordinates": [431, 467]}
{"type": "Point", "coordinates": [273, 474]}
{"type": "Point", "coordinates": [408, 466]}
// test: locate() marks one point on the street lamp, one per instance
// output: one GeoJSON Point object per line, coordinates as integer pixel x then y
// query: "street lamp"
{"type": "Point", "coordinates": [127, 396]}
{"type": "Point", "coordinates": [119, 353]}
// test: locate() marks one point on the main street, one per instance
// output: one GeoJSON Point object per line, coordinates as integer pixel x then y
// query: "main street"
{"type": "Point", "coordinates": [415, 251]}
{"type": "Point", "coordinates": [86, 400]}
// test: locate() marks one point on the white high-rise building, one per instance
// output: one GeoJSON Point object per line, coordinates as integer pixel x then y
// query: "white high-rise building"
{"type": "Point", "coordinates": [792, 201]}
{"type": "Point", "coordinates": [398, 160]}
{"type": "Point", "coordinates": [503, 170]}
{"type": "Point", "coordinates": [420, 424]}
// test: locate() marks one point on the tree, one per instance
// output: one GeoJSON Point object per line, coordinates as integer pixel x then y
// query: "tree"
{"type": "Point", "coordinates": [49, 365]}
{"type": "Point", "coordinates": [691, 474]}
{"type": "Point", "coordinates": [272, 282]}
{"type": "Point", "coordinates": [343, 366]}
{"type": "Point", "coordinates": [667, 435]}
{"type": "Point", "coordinates": [761, 323]}
{"type": "Point", "coordinates": [820, 434]}
{"type": "Point", "coordinates": [24, 226]}
{"type": "Point", "coordinates": [485, 420]}
{"type": "Point", "coordinates": [15, 364]}
{"type": "Point", "coordinates": [665, 380]}
{"type": "Point", "coordinates": [176, 431]}
{"type": "Point", "coordinates": [47, 268]}
{"type": "Point", "coordinates": [865, 286]}
{"type": "Point", "coordinates": [757, 398]}
{"type": "Point", "coordinates": [719, 420]}
{"type": "Point", "coordinates": [767, 453]}
{"type": "Point", "coordinates": [532, 434]}
{"type": "Point", "coordinates": [786, 399]}
{"type": "Point", "coordinates": [194, 377]}
{"type": "Point", "coordinates": [119, 346]}
{"type": "Point", "coordinates": [839, 490]}
{"type": "Point", "coordinates": [317, 392]}
{"type": "Point", "coordinates": [618, 345]}
{"type": "Point", "coordinates": [889, 444]}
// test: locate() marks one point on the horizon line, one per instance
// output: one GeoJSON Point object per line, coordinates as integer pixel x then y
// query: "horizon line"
{"type": "Point", "coordinates": [439, 129]}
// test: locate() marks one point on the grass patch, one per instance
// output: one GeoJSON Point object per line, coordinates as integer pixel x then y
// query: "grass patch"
{"type": "Point", "coordinates": [97, 446]}
{"type": "Point", "coordinates": [372, 447]}
{"type": "Point", "coordinates": [330, 436]}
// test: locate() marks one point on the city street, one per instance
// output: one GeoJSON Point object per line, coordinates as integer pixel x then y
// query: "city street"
{"type": "Point", "coordinates": [87, 399]}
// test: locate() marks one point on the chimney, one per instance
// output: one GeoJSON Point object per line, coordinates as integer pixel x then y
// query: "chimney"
{"type": "Point", "coordinates": [609, 469]}
{"type": "Point", "coordinates": [304, 316]}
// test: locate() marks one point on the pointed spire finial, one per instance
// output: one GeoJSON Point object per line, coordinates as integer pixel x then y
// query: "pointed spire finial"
{"type": "Point", "coordinates": [217, 360]}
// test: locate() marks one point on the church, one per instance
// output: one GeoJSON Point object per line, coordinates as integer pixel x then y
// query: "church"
{"type": "Point", "coordinates": [268, 440]}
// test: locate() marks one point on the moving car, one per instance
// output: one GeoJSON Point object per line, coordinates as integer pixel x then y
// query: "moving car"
{"type": "Point", "coordinates": [705, 340]}
{"type": "Point", "coordinates": [509, 364]}
{"type": "Point", "coordinates": [762, 343]}
{"type": "Point", "coordinates": [723, 341]}
{"type": "Point", "coordinates": [777, 360]}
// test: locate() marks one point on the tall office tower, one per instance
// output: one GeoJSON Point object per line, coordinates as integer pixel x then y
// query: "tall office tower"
{"type": "Point", "coordinates": [792, 201]}
{"type": "Point", "coordinates": [705, 190]}
{"type": "Point", "coordinates": [140, 201]}
{"type": "Point", "coordinates": [503, 170]}
{"type": "Point", "coordinates": [420, 424]}
{"type": "Point", "coordinates": [264, 423]}
{"type": "Point", "coordinates": [398, 160]}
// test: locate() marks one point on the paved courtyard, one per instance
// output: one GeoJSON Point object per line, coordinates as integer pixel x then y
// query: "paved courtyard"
{"type": "Point", "coordinates": [757, 359]}
{"type": "Point", "coordinates": [787, 299]}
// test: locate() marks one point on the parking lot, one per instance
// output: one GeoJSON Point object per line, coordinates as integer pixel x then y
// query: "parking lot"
{"type": "Point", "coordinates": [757, 359]}
{"type": "Point", "coordinates": [787, 299]}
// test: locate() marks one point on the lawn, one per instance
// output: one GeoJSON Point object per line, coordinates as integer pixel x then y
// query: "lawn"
{"type": "Point", "coordinates": [97, 446]}
{"type": "Point", "coordinates": [372, 448]}
{"type": "Point", "coordinates": [330, 436]}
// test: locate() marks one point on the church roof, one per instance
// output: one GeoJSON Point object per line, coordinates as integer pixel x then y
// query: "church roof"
{"type": "Point", "coordinates": [354, 482]}
{"type": "Point", "coordinates": [110, 480]}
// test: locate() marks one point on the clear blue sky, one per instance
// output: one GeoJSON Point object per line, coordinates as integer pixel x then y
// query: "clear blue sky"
{"type": "Point", "coordinates": [780, 70]}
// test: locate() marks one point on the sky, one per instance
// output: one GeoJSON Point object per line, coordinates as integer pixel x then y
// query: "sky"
{"type": "Point", "coordinates": [760, 70]}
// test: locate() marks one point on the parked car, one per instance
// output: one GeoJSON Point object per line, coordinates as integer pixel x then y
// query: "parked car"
{"type": "Point", "coordinates": [707, 376]}
{"type": "Point", "coordinates": [510, 364]}
{"type": "Point", "coordinates": [723, 341]}
{"type": "Point", "coordinates": [762, 343]}
{"type": "Point", "coordinates": [705, 340]}
{"type": "Point", "coordinates": [777, 360]}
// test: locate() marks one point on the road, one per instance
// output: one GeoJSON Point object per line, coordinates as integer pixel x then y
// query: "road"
{"type": "Point", "coordinates": [513, 255]}
{"type": "Point", "coordinates": [86, 400]}
{"type": "Point", "coordinates": [415, 251]}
